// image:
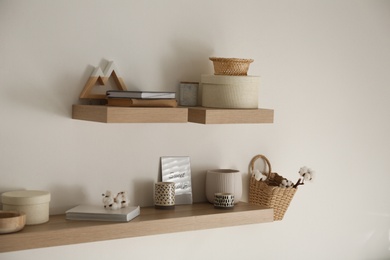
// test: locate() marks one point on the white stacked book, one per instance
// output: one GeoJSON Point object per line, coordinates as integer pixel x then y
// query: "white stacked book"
{"type": "Point", "coordinates": [99, 213]}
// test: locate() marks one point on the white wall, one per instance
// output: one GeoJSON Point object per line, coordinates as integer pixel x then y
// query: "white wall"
{"type": "Point", "coordinates": [324, 67]}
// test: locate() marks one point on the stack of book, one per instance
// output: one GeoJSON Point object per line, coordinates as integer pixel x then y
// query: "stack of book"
{"type": "Point", "coordinates": [99, 213]}
{"type": "Point", "coordinates": [141, 98]}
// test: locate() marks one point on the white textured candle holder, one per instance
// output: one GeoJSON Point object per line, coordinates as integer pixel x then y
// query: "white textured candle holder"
{"type": "Point", "coordinates": [223, 181]}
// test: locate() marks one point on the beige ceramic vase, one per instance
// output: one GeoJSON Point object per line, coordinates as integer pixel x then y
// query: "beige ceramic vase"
{"type": "Point", "coordinates": [223, 181]}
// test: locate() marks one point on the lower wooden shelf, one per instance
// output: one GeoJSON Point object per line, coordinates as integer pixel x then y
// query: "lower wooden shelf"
{"type": "Point", "coordinates": [59, 231]}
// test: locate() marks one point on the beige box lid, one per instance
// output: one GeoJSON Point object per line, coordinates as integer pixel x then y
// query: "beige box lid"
{"type": "Point", "coordinates": [234, 80]}
{"type": "Point", "coordinates": [25, 197]}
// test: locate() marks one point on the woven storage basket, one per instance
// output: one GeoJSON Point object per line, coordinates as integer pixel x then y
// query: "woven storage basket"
{"type": "Point", "coordinates": [268, 193]}
{"type": "Point", "coordinates": [231, 66]}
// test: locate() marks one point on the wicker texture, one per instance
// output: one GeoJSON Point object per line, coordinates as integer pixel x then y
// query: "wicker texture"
{"type": "Point", "coordinates": [231, 66]}
{"type": "Point", "coordinates": [268, 193]}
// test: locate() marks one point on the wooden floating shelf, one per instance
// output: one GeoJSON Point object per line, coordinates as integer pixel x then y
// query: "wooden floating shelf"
{"type": "Point", "coordinates": [202, 115]}
{"type": "Point", "coordinates": [112, 114]}
{"type": "Point", "coordinates": [59, 231]}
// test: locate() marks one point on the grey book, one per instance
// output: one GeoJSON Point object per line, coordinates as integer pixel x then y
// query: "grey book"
{"type": "Point", "coordinates": [99, 213]}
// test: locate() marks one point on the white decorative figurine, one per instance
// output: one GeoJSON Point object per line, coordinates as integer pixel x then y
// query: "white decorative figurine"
{"type": "Point", "coordinates": [121, 200]}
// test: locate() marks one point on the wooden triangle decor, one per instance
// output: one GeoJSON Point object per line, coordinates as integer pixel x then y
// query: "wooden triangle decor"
{"type": "Point", "coordinates": [100, 77]}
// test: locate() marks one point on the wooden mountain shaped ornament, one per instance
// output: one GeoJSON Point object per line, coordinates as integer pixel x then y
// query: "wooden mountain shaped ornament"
{"type": "Point", "coordinates": [101, 78]}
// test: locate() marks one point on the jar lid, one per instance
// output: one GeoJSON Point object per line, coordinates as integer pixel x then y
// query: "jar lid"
{"type": "Point", "coordinates": [234, 80]}
{"type": "Point", "coordinates": [25, 197]}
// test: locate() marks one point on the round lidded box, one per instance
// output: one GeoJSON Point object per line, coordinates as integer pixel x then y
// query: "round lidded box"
{"type": "Point", "coordinates": [34, 203]}
{"type": "Point", "coordinates": [220, 91]}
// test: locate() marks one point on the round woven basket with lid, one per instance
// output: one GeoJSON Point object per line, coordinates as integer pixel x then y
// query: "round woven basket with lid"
{"type": "Point", "coordinates": [231, 66]}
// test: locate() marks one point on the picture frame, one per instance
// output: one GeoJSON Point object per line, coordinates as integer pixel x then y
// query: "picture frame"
{"type": "Point", "coordinates": [177, 169]}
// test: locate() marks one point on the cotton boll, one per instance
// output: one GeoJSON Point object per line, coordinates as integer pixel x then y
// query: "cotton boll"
{"type": "Point", "coordinates": [115, 206]}
{"type": "Point", "coordinates": [309, 176]}
{"type": "Point", "coordinates": [286, 184]}
{"type": "Point", "coordinates": [283, 184]}
{"type": "Point", "coordinates": [303, 170]}
{"type": "Point", "coordinates": [258, 175]}
{"type": "Point", "coordinates": [306, 173]}
{"type": "Point", "coordinates": [107, 199]}
{"type": "Point", "coordinates": [123, 199]}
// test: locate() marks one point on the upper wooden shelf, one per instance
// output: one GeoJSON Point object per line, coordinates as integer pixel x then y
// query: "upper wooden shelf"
{"type": "Point", "coordinates": [202, 115]}
{"type": "Point", "coordinates": [59, 231]}
{"type": "Point", "coordinates": [112, 114]}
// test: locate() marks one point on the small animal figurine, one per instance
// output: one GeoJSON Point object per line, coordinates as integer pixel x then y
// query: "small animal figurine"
{"type": "Point", "coordinates": [120, 200]}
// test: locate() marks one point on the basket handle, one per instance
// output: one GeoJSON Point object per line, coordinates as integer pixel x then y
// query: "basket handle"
{"type": "Point", "coordinates": [252, 164]}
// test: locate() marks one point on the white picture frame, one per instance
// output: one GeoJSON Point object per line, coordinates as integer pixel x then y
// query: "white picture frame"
{"type": "Point", "coordinates": [177, 169]}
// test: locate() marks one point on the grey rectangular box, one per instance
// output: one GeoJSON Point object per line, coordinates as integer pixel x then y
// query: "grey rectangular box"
{"type": "Point", "coordinates": [188, 94]}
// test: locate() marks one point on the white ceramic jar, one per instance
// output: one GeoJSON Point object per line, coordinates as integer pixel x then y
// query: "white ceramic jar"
{"type": "Point", "coordinates": [34, 203]}
{"type": "Point", "coordinates": [223, 181]}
